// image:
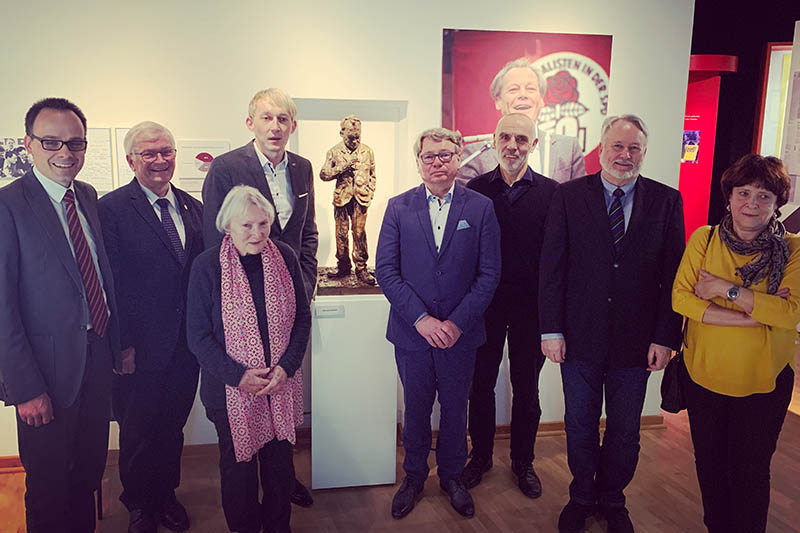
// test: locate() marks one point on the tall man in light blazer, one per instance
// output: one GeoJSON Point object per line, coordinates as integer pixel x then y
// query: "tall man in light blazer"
{"type": "Point", "coordinates": [438, 263]}
{"type": "Point", "coordinates": [612, 244]}
{"type": "Point", "coordinates": [59, 336]}
{"type": "Point", "coordinates": [152, 231]}
{"type": "Point", "coordinates": [519, 87]}
{"type": "Point", "coordinates": [284, 178]}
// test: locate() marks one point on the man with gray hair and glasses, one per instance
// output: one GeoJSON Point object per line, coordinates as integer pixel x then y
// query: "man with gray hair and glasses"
{"type": "Point", "coordinates": [519, 87]}
{"type": "Point", "coordinates": [153, 231]}
{"type": "Point", "coordinates": [612, 244]}
{"type": "Point", "coordinates": [438, 263]}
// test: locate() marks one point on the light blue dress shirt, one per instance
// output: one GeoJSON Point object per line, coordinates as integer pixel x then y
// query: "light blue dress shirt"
{"type": "Point", "coordinates": [627, 200]}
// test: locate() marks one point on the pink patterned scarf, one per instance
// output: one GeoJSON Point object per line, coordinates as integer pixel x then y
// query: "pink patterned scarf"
{"type": "Point", "coordinates": [256, 420]}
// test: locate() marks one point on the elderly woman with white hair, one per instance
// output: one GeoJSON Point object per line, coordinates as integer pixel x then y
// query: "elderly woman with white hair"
{"type": "Point", "coordinates": [248, 324]}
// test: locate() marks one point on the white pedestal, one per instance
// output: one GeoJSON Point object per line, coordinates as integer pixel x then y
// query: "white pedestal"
{"type": "Point", "coordinates": [353, 393]}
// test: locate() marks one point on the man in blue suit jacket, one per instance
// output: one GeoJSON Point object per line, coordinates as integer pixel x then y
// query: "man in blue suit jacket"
{"type": "Point", "coordinates": [438, 263]}
{"type": "Point", "coordinates": [58, 322]}
{"type": "Point", "coordinates": [153, 231]}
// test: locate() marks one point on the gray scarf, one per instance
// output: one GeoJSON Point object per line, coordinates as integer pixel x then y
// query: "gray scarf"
{"type": "Point", "coordinates": [770, 244]}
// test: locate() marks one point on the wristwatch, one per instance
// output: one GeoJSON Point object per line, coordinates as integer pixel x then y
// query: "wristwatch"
{"type": "Point", "coordinates": [733, 293]}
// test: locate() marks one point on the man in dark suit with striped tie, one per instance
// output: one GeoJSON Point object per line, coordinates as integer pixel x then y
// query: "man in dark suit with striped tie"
{"type": "Point", "coordinates": [612, 244]}
{"type": "Point", "coordinates": [59, 335]}
{"type": "Point", "coordinates": [153, 231]}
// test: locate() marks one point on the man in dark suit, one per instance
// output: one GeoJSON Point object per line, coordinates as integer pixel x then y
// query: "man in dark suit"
{"type": "Point", "coordinates": [438, 263]}
{"type": "Point", "coordinates": [521, 198]}
{"type": "Point", "coordinates": [612, 244]}
{"type": "Point", "coordinates": [153, 232]}
{"type": "Point", "coordinates": [284, 178]}
{"type": "Point", "coordinates": [58, 322]}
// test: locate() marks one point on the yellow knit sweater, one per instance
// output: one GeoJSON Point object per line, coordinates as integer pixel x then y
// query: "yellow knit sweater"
{"type": "Point", "coordinates": [734, 360]}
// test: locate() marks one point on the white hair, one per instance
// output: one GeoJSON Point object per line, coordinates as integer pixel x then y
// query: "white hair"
{"type": "Point", "coordinates": [236, 203]}
{"type": "Point", "coordinates": [144, 128]}
{"type": "Point", "coordinates": [633, 119]}
{"type": "Point", "coordinates": [523, 62]}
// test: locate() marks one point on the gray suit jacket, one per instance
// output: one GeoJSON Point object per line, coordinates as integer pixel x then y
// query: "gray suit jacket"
{"type": "Point", "coordinates": [241, 166]}
{"type": "Point", "coordinates": [566, 160]}
{"type": "Point", "coordinates": [43, 338]}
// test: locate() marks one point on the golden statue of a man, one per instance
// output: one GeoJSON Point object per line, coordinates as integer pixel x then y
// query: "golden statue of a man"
{"type": "Point", "coordinates": [352, 164]}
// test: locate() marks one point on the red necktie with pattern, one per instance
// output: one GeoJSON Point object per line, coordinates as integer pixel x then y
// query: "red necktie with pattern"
{"type": "Point", "coordinates": [98, 312]}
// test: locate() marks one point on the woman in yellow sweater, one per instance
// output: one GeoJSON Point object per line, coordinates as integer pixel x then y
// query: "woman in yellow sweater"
{"type": "Point", "coordinates": [740, 291]}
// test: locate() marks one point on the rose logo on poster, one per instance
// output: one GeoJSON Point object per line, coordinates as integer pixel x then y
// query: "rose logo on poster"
{"type": "Point", "coordinates": [576, 97]}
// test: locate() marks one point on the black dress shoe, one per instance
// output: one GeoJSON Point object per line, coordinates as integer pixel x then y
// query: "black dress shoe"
{"type": "Point", "coordinates": [142, 521]}
{"type": "Point", "coordinates": [173, 515]}
{"type": "Point", "coordinates": [301, 496]}
{"type": "Point", "coordinates": [406, 498]}
{"type": "Point", "coordinates": [473, 472]}
{"type": "Point", "coordinates": [573, 517]}
{"type": "Point", "coordinates": [460, 498]}
{"type": "Point", "coordinates": [527, 480]}
{"type": "Point", "coordinates": [618, 519]}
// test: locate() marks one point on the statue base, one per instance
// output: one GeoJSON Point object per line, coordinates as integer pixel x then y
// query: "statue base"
{"type": "Point", "coordinates": [348, 284]}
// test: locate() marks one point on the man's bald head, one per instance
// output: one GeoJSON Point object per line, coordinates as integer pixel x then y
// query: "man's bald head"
{"type": "Point", "coordinates": [517, 121]}
{"type": "Point", "coordinates": [514, 138]}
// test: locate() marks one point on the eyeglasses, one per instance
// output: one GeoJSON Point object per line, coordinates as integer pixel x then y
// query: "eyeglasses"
{"type": "Point", "coordinates": [444, 157]}
{"type": "Point", "coordinates": [54, 145]}
{"type": "Point", "coordinates": [148, 156]}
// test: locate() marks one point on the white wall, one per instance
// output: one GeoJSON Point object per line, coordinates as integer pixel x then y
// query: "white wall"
{"type": "Point", "coordinates": [193, 66]}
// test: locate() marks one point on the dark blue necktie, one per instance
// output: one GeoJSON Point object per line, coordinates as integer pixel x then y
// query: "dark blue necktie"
{"type": "Point", "coordinates": [170, 229]}
{"type": "Point", "coordinates": [617, 219]}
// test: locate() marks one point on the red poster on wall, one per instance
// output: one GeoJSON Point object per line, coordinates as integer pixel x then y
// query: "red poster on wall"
{"type": "Point", "coordinates": [575, 69]}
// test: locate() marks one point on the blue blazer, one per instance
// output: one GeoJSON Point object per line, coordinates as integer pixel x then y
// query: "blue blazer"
{"type": "Point", "coordinates": [149, 280]}
{"type": "Point", "coordinates": [457, 283]}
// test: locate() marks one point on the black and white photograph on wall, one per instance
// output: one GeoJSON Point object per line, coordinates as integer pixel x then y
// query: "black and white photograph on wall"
{"type": "Point", "coordinates": [14, 162]}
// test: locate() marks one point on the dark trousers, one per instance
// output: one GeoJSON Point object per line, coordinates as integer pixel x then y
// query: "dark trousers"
{"type": "Point", "coordinates": [152, 408]}
{"type": "Point", "coordinates": [525, 361]}
{"type": "Point", "coordinates": [600, 473]}
{"type": "Point", "coordinates": [425, 374]}
{"type": "Point", "coordinates": [734, 439]}
{"type": "Point", "coordinates": [64, 460]}
{"type": "Point", "coordinates": [239, 482]}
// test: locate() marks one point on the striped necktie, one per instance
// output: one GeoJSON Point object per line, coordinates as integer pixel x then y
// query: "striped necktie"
{"type": "Point", "coordinates": [171, 230]}
{"type": "Point", "coordinates": [617, 219]}
{"type": "Point", "coordinates": [98, 311]}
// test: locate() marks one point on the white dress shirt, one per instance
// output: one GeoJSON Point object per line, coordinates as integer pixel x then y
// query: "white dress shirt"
{"type": "Point", "coordinates": [56, 192]}
{"type": "Point", "coordinates": [439, 208]}
{"type": "Point", "coordinates": [174, 209]}
{"type": "Point", "coordinates": [279, 186]}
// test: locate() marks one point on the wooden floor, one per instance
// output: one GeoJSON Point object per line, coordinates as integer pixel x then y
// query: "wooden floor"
{"type": "Point", "coordinates": [663, 496]}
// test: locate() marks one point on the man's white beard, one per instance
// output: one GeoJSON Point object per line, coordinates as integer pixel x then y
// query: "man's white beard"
{"type": "Point", "coordinates": [622, 176]}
